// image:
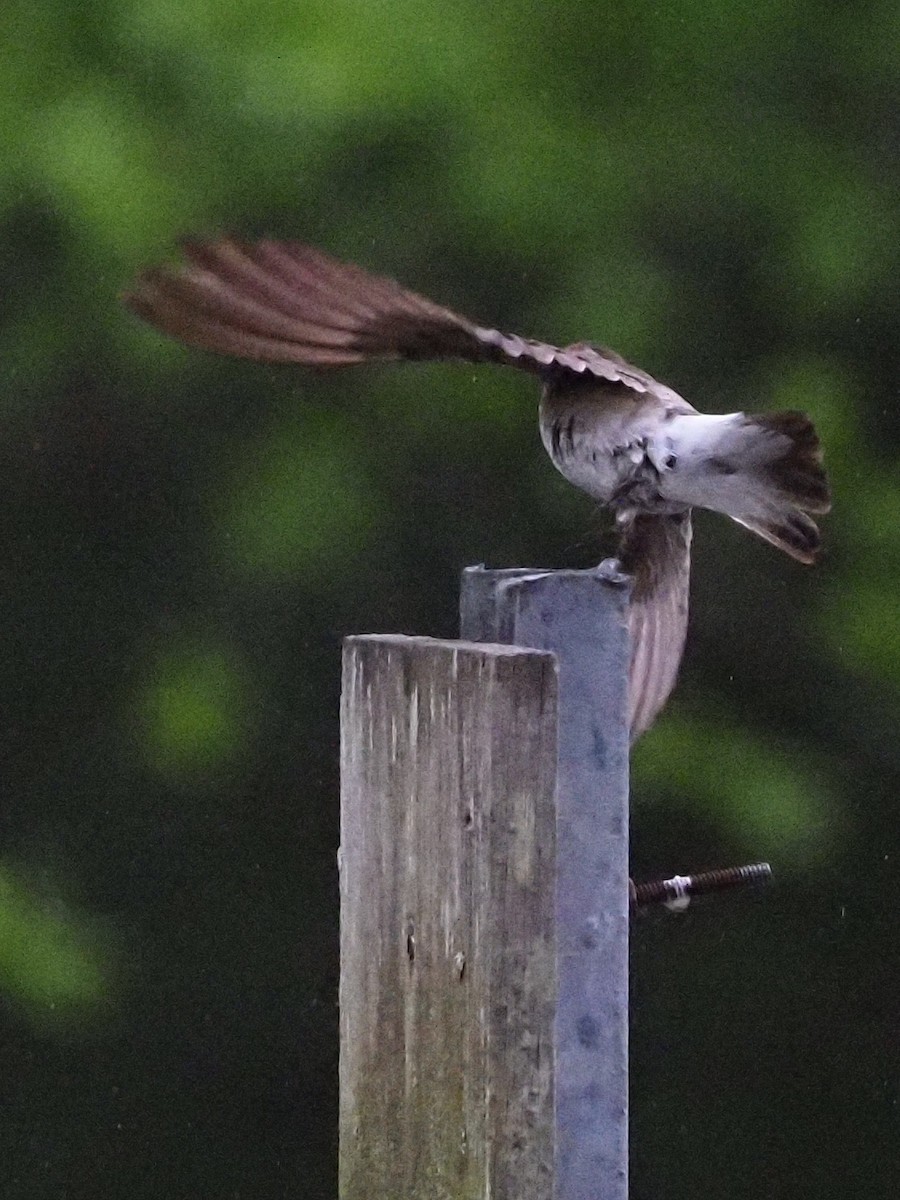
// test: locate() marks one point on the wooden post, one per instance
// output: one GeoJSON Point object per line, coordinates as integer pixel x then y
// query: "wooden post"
{"type": "Point", "coordinates": [581, 617]}
{"type": "Point", "coordinates": [448, 955]}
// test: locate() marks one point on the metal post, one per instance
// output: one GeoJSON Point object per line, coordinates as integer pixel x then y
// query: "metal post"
{"type": "Point", "coordinates": [582, 619]}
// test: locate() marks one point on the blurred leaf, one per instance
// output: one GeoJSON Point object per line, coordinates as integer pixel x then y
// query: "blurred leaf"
{"type": "Point", "coordinates": [768, 801]}
{"type": "Point", "coordinates": [195, 710]}
{"type": "Point", "coordinates": [101, 161]}
{"type": "Point", "coordinates": [300, 503]}
{"type": "Point", "coordinates": [51, 963]}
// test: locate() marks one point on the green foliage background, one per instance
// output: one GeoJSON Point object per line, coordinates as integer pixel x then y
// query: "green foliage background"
{"type": "Point", "coordinates": [712, 189]}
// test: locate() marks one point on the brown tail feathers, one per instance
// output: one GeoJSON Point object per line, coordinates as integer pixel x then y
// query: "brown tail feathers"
{"type": "Point", "coordinates": [799, 486]}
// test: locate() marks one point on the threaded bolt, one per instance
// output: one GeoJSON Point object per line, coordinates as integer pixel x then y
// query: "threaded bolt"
{"type": "Point", "coordinates": [676, 893]}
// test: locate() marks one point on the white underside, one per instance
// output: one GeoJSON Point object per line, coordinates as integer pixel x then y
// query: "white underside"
{"type": "Point", "coordinates": [681, 461]}
{"type": "Point", "coordinates": [719, 461]}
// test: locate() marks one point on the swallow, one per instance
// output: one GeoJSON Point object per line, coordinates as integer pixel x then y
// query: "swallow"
{"type": "Point", "coordinates": [633, 444]}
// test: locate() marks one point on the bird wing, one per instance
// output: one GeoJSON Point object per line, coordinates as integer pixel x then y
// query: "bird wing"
{"type": "Point", "coordinates": [288, 302]}
{"type": "Point", "coordinates": [656, 552]}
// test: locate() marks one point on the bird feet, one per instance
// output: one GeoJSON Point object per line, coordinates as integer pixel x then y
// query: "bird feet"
{"type": "Point", "coordinates": [610, 571]}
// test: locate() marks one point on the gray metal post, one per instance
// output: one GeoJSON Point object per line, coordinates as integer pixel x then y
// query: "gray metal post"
{"type": "Point", "coordinates": [582, 619]}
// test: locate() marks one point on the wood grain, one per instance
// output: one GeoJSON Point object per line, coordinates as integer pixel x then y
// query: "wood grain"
{"type": "Point", "coordinates": [448, 954]}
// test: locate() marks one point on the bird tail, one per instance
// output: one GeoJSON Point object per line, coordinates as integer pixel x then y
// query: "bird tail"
{"type": "Point", "coordinates": [783, 452]}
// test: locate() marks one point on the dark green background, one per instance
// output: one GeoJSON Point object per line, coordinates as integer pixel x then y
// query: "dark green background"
{"type": "Point", "coordinates": [710, 188]}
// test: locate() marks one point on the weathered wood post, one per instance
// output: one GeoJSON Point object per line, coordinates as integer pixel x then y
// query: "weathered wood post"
{"type": "Point", "coordinates": [483, 858]}
{"type": "Point", "coordinates": [447, 922]}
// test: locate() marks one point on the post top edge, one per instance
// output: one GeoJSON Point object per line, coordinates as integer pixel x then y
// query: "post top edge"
{"type": "Point", "coordinates": [530, 577]}
{"type": "Point", "coordinates": [540, 572]}
{"type": "Point", "coordinates": [403, 641]}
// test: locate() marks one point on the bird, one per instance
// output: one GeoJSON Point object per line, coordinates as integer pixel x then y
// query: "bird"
{"type": "Point", "coordinates": [630, 442]}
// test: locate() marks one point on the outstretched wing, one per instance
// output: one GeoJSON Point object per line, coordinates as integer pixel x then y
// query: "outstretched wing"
{"type": "Point", "coordinates": [288, 302]}
{"type": "Point", "coordinates": [656, 551]}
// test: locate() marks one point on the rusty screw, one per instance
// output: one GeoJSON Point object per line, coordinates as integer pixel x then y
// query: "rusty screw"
{"type": "Point", "coordinates": [676, 893]}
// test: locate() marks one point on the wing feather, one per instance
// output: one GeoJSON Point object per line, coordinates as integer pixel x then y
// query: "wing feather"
{"type": "Point", "coordinates": [656, 552]}
{"type": "Point", "coordinates": [289, 302]}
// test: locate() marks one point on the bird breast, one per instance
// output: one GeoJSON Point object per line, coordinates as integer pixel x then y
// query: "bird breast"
{"type": "Point", "coordinates": [608, 446]}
